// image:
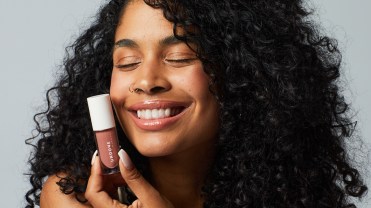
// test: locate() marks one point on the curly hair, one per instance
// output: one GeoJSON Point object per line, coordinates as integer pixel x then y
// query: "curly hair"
{"type": "Point", "coordinates": [283, 119]}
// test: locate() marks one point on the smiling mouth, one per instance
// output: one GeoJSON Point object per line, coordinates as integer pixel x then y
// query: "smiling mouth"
{"type": "Point", "coordinates": [159, 113]}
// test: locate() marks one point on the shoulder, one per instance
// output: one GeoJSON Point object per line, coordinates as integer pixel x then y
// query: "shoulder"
{"type": "Point", "coordinates": [51, 196]}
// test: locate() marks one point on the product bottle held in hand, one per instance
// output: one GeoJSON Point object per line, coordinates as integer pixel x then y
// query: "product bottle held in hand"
{"type": "Point", "coordinates": [104, 127]}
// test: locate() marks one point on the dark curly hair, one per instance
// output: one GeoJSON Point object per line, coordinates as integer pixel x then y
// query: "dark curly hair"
{"type": "Point", "coordinates": [283, 120]}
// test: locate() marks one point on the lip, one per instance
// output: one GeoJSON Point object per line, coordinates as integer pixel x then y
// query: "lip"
{"type": "Point", "coordinates": [159, 123]}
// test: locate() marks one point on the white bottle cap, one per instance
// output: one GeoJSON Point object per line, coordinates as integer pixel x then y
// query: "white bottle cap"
{"type": "Point", "coordinates": [101, 114]}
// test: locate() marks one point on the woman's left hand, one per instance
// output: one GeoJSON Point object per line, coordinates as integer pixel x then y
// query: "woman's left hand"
{"type": "Point", "coordinates": [148, 197]}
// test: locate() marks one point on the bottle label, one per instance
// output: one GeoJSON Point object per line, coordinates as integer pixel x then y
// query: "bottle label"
{"type": "Point", "coordinates": [108, 147]}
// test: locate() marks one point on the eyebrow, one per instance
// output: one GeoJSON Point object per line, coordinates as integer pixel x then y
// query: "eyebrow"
{"type": "Point", "coordinates": [169, 40]}
{"type": "Point", "coordinates": [126, 43]}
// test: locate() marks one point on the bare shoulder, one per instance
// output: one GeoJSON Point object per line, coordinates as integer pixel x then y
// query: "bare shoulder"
{"type": "Point", "coordinates": [51, 196]}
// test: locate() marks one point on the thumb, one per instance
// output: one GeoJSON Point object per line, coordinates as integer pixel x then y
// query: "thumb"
{"type": "Point", "coordinates": [146, 193]}
{"type": "Point", "coordinates": [95, 192]}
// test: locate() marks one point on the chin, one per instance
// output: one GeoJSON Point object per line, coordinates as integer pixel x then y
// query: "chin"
{"type": "Point", "coordinates": [154, 147]}
{"type": "Point", "coordinates": [154, 151]}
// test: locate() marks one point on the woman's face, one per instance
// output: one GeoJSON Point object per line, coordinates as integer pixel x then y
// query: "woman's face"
{"type": "Point", "coordinates": [159, 89]}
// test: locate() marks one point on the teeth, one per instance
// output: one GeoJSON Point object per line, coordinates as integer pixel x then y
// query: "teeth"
{"type": "Point", "coordinates": [161, 113]}
{"type": "Point", "coordinates": [157, 113]}
{"type": "Point", "coordinates": [139, 113]}
{"type": "Point", "coordinates": [148, 114]}
{"type": "Point", "coordinates": [154, 113]}
{"type": "Point", "coordinates": [167, 112]}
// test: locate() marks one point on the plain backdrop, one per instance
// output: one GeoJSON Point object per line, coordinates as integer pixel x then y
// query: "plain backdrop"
{"type": "Point", "coordinates": [33, 35]}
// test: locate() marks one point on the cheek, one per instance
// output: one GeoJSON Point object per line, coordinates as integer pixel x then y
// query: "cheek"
{"type": "Point", "coordinates": [119, 87]}
{"type": "Point", "coordinates": [197, 84]}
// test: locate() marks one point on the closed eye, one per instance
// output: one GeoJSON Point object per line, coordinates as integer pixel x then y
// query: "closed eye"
{"type": "Point", "coordinates": [128, 63]}
{"type": "Point", "coordinates": [181, 62]}
{"type": "Point", "coordinates": [127, 67]}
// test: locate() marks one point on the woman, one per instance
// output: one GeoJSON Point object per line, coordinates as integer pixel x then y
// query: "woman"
{"type": "Point", "coordinates": [257, 117]}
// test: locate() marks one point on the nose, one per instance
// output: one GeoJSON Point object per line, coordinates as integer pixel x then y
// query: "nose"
{"type": "Point", "coordinates": [151, 79]}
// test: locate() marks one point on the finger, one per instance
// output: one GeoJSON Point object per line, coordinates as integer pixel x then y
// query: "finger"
{"type": "Point", "coordinates": [136, 204]}
{"type": "Point", "coordinates": [148, 196]}
{"type": "Point", "coordinates": [95, 192]}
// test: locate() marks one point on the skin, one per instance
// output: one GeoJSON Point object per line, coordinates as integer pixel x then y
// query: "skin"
{"type": "Point", "coordinates": [164, 69]}
{"type": "Point", "coordinates": [147, 57]}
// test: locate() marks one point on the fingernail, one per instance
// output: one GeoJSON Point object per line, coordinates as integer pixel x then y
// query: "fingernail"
{"type": "Point", "coordinates": [94, 156]}
{"type": "Point", "coordinates": [125, 159]}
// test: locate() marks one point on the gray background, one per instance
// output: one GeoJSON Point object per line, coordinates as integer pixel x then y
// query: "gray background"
{"type": "Point", "coordinates": [34, 33]}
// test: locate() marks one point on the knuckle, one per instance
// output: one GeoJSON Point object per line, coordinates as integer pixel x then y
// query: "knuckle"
{"type": "Point", "coordinates": [135, 204]}
{"type": "Point", "coordinates": [88, 195]}
{"type": "Point", "coordinates": [134, 175]}
{"type": "Point", "coordinates": [118, 204]}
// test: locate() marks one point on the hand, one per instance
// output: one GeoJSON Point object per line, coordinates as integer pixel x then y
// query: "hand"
{"type": "Point", "coordinates": [98, 196]}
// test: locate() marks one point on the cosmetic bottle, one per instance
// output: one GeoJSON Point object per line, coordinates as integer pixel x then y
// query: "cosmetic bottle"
{"type": "Point", "coordinates": [104, 127]}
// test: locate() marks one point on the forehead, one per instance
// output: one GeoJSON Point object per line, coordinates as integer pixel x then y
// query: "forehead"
{"type": "Point", "coordinates": [140, 20]}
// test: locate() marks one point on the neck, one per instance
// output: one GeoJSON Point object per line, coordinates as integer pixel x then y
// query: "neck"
{"type": "Point", "coordinates": [180, 177]}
